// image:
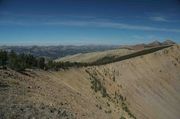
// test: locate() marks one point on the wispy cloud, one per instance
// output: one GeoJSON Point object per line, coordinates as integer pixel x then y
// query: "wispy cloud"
{"type": "Point", "coordinates": [159, 19]}
{"type": "Point", "coordinates": [81, 21]}
{"type": "Point", "coordinates": [112, 25]}
{"type": "Point", "coordinates": [95, 24]}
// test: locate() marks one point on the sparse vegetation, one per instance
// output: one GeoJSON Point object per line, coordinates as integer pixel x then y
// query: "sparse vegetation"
{"type": "Point", "coordinates": [119, 97]}
{"type": "Point", "coordinates": [122, 117]}
{"type": "Point", "coordinates": [97, 86]}
{"type": "Point", "coordinates": [165, 51]}
{"type": "Point", "coordinates": [99, 106]}
{"type": "Point", "coordinates": [108, 111]}
{"type": "Point", "coordinates": [114, 79]}
{"type": "Point", "coordinates": [108, 104]}
{"type": "Point", "coordinates": [126, 109]}
{"type": "Point", "coordinates": [122, 99]}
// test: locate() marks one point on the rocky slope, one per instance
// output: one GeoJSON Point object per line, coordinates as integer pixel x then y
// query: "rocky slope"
{"type": "Point", "coordinates": [144, 87]}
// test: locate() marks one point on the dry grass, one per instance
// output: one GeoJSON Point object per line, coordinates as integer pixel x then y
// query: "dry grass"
{"type": "Point", "coordinates": [94, 56]}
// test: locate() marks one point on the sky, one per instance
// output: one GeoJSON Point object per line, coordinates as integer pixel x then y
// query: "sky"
{"type": "Point", "coordinates": [82, 22]}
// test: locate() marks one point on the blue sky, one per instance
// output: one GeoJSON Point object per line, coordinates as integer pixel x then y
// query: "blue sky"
{"type": "Point", "coordinates": [82, 22]}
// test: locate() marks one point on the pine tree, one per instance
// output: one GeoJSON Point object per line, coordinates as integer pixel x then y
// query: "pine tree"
{"type": "Point", "coordinates": [41, 63]}
{"type": "Point", "coordinates": [12, 59]}
{"type": "Point", "coordinates": [3, 59]}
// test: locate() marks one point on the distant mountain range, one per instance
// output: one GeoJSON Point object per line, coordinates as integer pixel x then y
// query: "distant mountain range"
{"type": "Point", "coordinates": [57, 51]}
{"type": "Point", "coordinates": [149, 45]}
{"type": "Point", "coordinates": [61, 51]}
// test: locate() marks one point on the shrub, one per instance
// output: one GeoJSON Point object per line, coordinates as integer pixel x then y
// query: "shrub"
{"type": "Point", "coordinates": [114, 79]}
{"type": "Point", "coordinates": [122, 117]}
{"type": "Point", "coordinates": [103, 92]}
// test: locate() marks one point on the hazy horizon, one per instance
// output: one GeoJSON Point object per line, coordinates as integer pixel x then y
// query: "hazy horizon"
{"type": "Point", "coordinates": [90, 44]}
{"type": "Point", "coordinates": [90, 22]}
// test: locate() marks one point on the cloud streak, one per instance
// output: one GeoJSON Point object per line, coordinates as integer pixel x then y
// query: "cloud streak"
{"type": "Point", "coordinates": [95, 24]}
{"type": "Point", "coordinates": [80, 21]}
{"type": "Point", "coordinates": [113, 25]}
{"type": "Point", "coordinates": [159, 19]}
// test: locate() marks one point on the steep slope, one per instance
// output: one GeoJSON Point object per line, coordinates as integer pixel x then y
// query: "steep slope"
{"type": "Point", "coordinates": [144, 87]}
{"type": "Point", "coordinates": [151, 83]}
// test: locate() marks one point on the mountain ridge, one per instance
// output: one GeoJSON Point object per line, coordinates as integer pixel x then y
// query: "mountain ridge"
{"type": "Point", "coordinates": [143, 87]}
{"type": "Point", "coordinates": [55, 52]}
{"type": "Point", "coordinates": [113, 54]}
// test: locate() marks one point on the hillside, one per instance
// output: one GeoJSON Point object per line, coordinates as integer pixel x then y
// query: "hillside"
{"type": "Point", "coordinates": [94, 56]}
{"type": "Point", "coordinates": [121, 51]}
{"type": "Point", "coordinates": [144, 87]}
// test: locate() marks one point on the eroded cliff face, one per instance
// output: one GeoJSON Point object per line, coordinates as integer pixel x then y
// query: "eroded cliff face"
{"type": "Point", "coordinates": [145, 87]}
